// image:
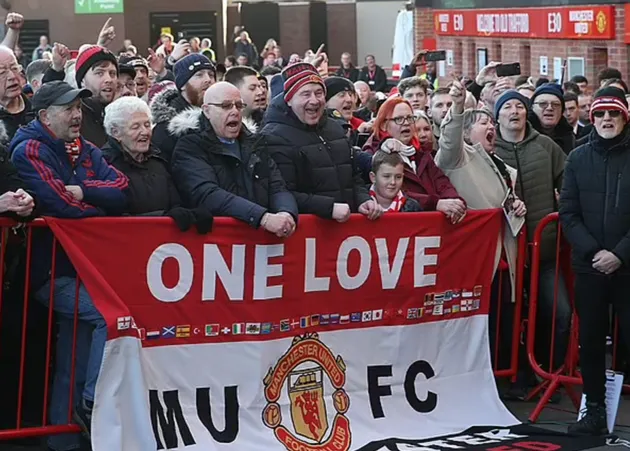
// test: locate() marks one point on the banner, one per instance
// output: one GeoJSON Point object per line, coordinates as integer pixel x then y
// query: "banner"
{"type": "Point", "coordinates": [575, 22]}
{"type": "Point", "coordinates": [339, 338]}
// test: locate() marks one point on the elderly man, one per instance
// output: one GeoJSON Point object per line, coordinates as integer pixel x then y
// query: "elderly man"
{"type": "Point", "coordinates": [312, 151]}
{"type": "Point", "coordinates": [341, 99]}
{"type": "Point", "coordinates": [218, 166]}
{"type": "Point", "coordinates": [547, 116]}
{"type": "Point", "coordinates": [252, 92]}
{"type": "Point", "coordinates": [70, 179]}
{"type": "Point", "coordinates": [194, 74]}
{"type": "Point", "coordinates": [15, 107]}
{"type": "Point", "coordinates": [595, 217]}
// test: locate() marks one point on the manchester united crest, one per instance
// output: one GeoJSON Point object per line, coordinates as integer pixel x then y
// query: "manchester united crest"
{"type": "Point", "coordinates": [601, 22]}
{"type": "Point", "coordinates": [309, 372]}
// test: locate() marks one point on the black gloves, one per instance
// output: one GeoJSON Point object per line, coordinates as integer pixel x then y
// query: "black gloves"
{"type": "Point", "coordinates": [185, 219]}
{"type": "Point", "coordinates": [203, 219]}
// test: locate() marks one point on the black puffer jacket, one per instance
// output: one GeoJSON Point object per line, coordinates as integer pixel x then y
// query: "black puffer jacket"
{"type": "Point", "coordinates": [11, 122]}
{"type": "Point", "coordinates": [92, 127]}
{"type": "Point", "coordinates": [595, 200]}
{"type": "Point", "coordinates": [164, 108]}
{"type": "Point", "coordinates": [562, 134]}
{"type": "Point", "coordinates": [207, 174]}
{"type": "Point", "coordinates": [316, 162]}
{"type": "Point", "coordinates": [151, 188]}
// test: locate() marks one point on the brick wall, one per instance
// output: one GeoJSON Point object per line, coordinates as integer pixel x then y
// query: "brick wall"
{"type": "Point", "coordinates": [342, 31]}
{"type": "Point", "coordinates": [596, 54]}
{"type": "Point", "coordinates": [294, 28]}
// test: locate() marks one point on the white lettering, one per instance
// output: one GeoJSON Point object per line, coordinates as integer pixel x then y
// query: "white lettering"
{"type": "Point", "coordinates": [311, 281]}
{"type": "Point", "coordinates": [554, 23]}
{"type": "Point", "coordinates": [154, 272]}
{"type": "Point", "coordinates": [581, 16]}
{"type": "Point", "coordinates": [421, 260]}
{"type": "Point", "coordinates": [214, 265]}
{"type": "Point", "coordinates": [390, 275]}
{"type": "Point", "coordinates": [501, 434]}
{"type": "Point", "coordinates": [350, 244]}
{"type": "Point", "coordinates": [458, 22]}
{"type": "Point", "coordinates": [581, 28]}
{"type": "Point", "coordinates": [472, 441]}
{"type": "Point", "coordinates": [263, 270]}
{"type": "Point", "coordinates": [444, 18]}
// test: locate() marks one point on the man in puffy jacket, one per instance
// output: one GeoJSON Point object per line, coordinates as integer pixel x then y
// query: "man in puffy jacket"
{"type": "Point", "coordinates": [547, 116]}
{"type": "Point", "coordinates": [70, 179]}
{"type": "Point", "coordinates": [217, 165]}
{"type": "Point", "coordinates": [539, 163]}
{"type": "Point", "coordinates": [595, 217]}
{"type": "Point", "coordinates": [312, 151]}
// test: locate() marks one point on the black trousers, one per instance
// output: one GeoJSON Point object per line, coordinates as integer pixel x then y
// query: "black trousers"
{"type": "Point", "coordinates": [593, 294]}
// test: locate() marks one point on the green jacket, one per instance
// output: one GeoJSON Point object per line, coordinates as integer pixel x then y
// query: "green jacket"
{"type": "Point", "coordinates": [540, 165]}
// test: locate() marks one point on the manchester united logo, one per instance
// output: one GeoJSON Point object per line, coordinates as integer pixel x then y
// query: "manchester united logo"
{"type": "Point", "coordinates": [309, 370]}
{"type": "Point", "coordinates": [600, 20]}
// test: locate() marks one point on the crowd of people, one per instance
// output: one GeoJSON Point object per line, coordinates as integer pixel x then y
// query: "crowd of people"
{"type": "Point", "coordinates": [263, 140]}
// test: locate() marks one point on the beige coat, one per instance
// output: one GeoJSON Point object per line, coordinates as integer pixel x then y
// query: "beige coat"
{"type": "Point", "coordinates": [477, 179]}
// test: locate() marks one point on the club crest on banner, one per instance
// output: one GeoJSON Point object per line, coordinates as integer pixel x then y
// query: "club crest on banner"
{"type": "Point", "coordinates": [306, 370]}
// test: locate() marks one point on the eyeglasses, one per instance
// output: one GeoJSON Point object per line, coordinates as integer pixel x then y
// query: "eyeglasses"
{"type": "Point", "coordinates": [601, 113]}
{"type": "Point", "coordinates": [402, 120]}
{"type": "Point", "coordinates": [545, 105]}
{"type": "Point", "coordinates": [228, 105]}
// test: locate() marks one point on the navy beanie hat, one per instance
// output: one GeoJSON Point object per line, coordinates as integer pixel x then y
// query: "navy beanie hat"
{"type": "Point", "coordinates": [277, 85]}
{"type": "Point", "coordinates": [188, 66]}
{"type": "Point", "coordinates": [507, 96]}
{"type": "Point", "coordinates": [550, 88]}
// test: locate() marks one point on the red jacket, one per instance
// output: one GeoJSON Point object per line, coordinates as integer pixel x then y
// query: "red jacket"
{"type": "Point", "coordinates": [427, 184]}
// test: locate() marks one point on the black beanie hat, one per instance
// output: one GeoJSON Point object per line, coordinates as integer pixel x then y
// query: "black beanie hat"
{"type": "Point", "coordinates": [335, 85]}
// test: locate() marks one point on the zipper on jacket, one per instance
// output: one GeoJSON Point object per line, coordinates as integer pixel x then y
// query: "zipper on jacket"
{"type": "Point", "coordinates": [617, 191]}
{"type": "Point", "coordinates": [605, 195]}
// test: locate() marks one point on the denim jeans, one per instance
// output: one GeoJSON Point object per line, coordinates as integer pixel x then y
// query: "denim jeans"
{"type": "Point", "coordinates": [546, 291]}
{"type": "Point", "coordinates": [90, 344]}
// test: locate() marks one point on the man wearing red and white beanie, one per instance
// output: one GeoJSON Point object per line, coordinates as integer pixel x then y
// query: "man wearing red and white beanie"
{"type": "Point", "coordinates": [312, 152]}
{"type": "Point", "coordinates": [595, 217]}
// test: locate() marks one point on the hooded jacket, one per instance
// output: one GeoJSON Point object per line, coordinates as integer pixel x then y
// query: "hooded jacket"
{"type": "Point", "coordinates": [562, 134]}
{"type": "Point", "coordinates": [151, 187]}
{"type": "Point", "coordinates": [540, 164]}
{"type": "Point", "coordinates": [316, 162]}
{"type": "Point", "coordinates": [595, 201]}
{"type": "Point", "coordinates": [164, 107]}
{"type": "Point", "coordinates": [207, 174]}
{"type": "Point", "coordinates": [43, 164]}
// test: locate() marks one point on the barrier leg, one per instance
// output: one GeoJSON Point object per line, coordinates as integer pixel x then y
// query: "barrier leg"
{"type": "Point", "coordinates": [554, 384]}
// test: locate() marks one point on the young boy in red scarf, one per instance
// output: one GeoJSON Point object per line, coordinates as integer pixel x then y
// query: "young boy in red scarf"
{"type": "Point", "coordinates": [387, 178]}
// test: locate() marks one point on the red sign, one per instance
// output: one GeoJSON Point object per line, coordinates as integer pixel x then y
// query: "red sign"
{"type": "Point", "coordinates": [234, 276]}
{"type": "Point", "coordinates": [627, 24]}
{"type": "Point", "coordinates": [588, 22]}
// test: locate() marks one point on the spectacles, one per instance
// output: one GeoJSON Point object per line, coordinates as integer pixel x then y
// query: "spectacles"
{"type": "Point", "coordinates": [402, 120]}
{"type": "Point", "coordinates": [545, 105]}
{"type": "Point", "coordinates": [601, 113]}
{"type": "Point", "coordinates": [228, 105]}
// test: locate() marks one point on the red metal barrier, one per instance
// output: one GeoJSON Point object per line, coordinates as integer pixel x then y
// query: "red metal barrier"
{"type": "Point", "coordinates": [567, 376]}
{"type": "Point", "coordinates": [40, 426]}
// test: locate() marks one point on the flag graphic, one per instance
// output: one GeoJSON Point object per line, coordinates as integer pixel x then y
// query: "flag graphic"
{"type": "Point", "coordinates": [377, 315]}
{"type": "Point", "coordinates": [237, 328]}
{"type": "Point", "coordinates": [182, 331]}
{"type": "Point", "coordinates": [212, 330]}
{"type": "Point", "coordinates": [252, 329]}
{"type": "Point", "coordinates": [168, 332]}
{"type": "Point", "coordinates": [344, 319]}
{"type": "Point", "coordinates": [367, 316]}
{"type": "Point", "coordinates": [124, 322]}
{"type": "Point", "coordinates": [153, 334]}
{"type": "Point", "coordinates": [314, 320]}
{"type": "Point", "coordinates": [305, 322]}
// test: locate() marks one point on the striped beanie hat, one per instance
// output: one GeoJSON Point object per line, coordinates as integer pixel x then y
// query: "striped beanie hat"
{"type": "Point", "coordinates": [298, 75]}
{"type": "Point", "coordinates": [90, 56]}
{"type": "Point", "coordinates": [610, 98]}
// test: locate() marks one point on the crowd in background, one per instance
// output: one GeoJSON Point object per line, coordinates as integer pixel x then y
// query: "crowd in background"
{"type": "Point", "coordinates": [262, 139]}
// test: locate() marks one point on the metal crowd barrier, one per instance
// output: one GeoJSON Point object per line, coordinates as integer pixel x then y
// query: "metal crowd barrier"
{"type": "Point", "coordinates": [567, 376]}
{"type": "Point", "coordinates": [30, 387]}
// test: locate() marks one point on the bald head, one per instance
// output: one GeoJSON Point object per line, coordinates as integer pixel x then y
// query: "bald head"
{"type": "Point", "coordinates": [223, 106]}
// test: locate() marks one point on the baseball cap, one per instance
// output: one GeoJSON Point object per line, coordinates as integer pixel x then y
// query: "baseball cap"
{"type": "Point", "coordinates": [57, 93]}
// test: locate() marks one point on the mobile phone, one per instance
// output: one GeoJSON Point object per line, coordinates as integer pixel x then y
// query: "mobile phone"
{"type": "Point", "coordinates": [508, 70]}
{"type": "Point", "coordinates": [439, 55]}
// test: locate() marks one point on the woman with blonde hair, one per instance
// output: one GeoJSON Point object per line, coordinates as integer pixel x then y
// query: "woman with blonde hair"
{"type": "Point", "coordinates": [244, 45]}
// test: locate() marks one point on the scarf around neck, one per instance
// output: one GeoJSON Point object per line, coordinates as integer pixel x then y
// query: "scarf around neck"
{"type": "Point", "coordinates": [396, 205]}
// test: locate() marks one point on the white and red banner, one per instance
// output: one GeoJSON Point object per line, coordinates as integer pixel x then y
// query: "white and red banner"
{"type": "Point", "coordinates": [342, 337]}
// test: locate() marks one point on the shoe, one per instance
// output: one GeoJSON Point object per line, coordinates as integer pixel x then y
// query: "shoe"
{"type": "Point", "coordinates": [82, 415]}
{"type": "Point", "coordinates": [593, 422]}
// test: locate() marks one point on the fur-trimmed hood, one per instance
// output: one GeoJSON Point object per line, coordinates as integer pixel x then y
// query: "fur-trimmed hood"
{"type": "Point", "coordinates": [166, 105]}
{"type": "Point", "coordinates": [4, 135]}
{"type": "Point", "coordinates": [189, 121]}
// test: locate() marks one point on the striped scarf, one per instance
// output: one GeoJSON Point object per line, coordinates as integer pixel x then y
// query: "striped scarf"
{"type": "Point", "coordinates": [396, 205]}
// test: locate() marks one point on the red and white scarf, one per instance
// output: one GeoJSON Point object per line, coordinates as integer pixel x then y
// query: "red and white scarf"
{"type": "Point", "coordinates": [396, 205]}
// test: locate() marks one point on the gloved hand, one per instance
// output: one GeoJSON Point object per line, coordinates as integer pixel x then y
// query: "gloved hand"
{"type": "Point", "coordinates": [184, 218]}
{"type": "Point", "coordinates": [203, 220]}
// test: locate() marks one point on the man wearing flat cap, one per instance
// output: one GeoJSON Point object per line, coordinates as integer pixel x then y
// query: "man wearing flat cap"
{"type": "Point", "coordinates": [70, 179]}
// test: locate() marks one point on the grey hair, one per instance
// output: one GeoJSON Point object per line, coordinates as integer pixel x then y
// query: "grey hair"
{"type": "Point", "coordinates": [117, 113]}
{"type": "Point", "coordinates": [470, 118]}
{"type": "Point", "coordinates": [419, 114]}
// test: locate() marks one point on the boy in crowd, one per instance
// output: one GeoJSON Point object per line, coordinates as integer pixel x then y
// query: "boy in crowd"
{"type": "Point", "coordinates": [387, 175]}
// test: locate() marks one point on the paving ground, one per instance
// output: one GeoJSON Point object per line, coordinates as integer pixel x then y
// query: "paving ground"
{"type": "Point", "coordinates": [553, 417]}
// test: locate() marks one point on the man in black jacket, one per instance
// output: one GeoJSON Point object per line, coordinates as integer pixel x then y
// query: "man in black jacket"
{"type": "Point", "coordinates": [194, 74]}
{"type": "Point", "coordinates": [218, 165]}
{"type": "Point", "coordinates": [373, 75]}
{"type": "Point", "coordinates": [347, 69]}
{"type": "Point", "coordinates": [547, 116]}
{"type": "Point", "coordinates": [595, 216]}
{"type": "Point", "coordinates": [15, 107]}
{"type": "Point", "coordinates": [312, 151]}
